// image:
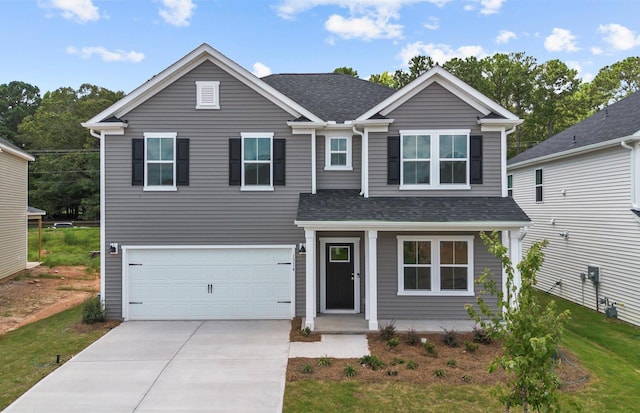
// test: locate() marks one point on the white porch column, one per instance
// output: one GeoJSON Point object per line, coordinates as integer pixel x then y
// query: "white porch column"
{"type": "Point", "coordinates": [367, 282]}
{"type": "Point", "coordinates": [372, 276]}
{"type": "Point", "coordinates": [313, 161]}
{"type": "Point", "coordinates": [310, 286]}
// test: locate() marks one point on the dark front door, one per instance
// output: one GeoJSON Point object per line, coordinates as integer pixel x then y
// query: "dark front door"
{"type": "Point", "coordinates": [340, 276]}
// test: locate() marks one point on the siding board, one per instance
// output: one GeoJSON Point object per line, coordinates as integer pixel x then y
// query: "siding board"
{"type": "Point", "coordinates": [13, 214]}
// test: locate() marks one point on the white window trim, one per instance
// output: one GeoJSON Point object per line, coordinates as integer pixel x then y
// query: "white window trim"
{"type": "Point", "coordinates": [435, 266]}
{"type": "Point", "coordinates": [536, 185]}
{"type": "Point", "coordinates": [328, 152]}
{"type": "Point", "coordinates": [510, 185]}
{"type": "Point", "coordinates": [146, 187]}
{"type": "Point", "coordinates": [269, 187]}
{"type": "Point", "coordinates": [216, 94]}
{"type": "Point", "coordinates": [435, 159]}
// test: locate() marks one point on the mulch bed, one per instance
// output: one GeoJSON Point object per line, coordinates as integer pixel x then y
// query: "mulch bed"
{"type": "Point", "coordinates": [296, 332]}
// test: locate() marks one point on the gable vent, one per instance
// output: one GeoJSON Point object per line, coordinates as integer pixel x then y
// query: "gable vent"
{"type": "Point", "coordinates": [208, 95]}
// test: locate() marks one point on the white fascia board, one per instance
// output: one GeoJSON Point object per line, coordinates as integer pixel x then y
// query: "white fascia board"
{"type": "Point", "coordinates": [490, 125]}
{"type": "Point", "coordinates": [18, 153]}
{"type": "Point", "coordinates": [456, 86]}
{"type": "Point", "coordinates": [109, 128]}
{"type": "Point", "coordinates": [571, 152]}
{"type": "Point", "coordinates": [204, 247]}
{"type": "Point", "coordinates": [201, 54]}
{"type": "Point", "coordinates": [412, 226]}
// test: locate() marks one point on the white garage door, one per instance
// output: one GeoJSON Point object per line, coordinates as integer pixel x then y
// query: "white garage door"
{"type": "Point", "coordinates": [209, 283]}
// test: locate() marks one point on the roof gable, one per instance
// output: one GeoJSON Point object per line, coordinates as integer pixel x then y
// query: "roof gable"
{"type": "Point", "coordinates": [618, 120]}
{"type": "Point", "coordinates": [437, 74]}
{"type": "Point", "coordinates": [201, 54]}
{"type": "Point", "coordinates": [6, 146]}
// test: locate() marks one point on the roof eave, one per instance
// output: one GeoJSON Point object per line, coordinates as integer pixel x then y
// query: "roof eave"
{"type": "Point", "coordinates": [413, 226]}
{"type": "Point", "coordinates": [111, 128]}
{"type": "Point", "coordinates": [20, 154]}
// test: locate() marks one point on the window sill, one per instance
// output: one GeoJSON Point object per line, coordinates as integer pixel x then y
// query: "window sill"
{"type": "Point", "coordinates": [434, 187]}
{"type": "Point", "coordinates": [338, 168]}
{"type": "Point", "coordinates": [436, 293]}
{"type": "Point", "coordinates": [207, 106]}
{"type": "Point", "coordinates": [256, 188]}
{"type": "Point", "coordinates": [160, 188]}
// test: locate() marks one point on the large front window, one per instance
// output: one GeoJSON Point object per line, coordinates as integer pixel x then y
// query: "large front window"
{"type": "Point", "coordinates": [435, 159]}
{"type": "Point", "coordinates": [435, 265]}
{"type": "Point", "coordinates": [160, 159]}
{"type": "Point", "coordinates": [256, 160]}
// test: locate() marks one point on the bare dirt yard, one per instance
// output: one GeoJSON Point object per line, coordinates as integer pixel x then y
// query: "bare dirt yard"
{"type": "Point", "coordinates": [43, 291]}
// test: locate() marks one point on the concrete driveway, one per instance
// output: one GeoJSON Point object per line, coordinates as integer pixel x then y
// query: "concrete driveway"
{"type": "Point", "coordinates": [171, 366]}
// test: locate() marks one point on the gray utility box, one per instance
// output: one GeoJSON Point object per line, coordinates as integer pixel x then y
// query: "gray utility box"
{"type": "Point", "coordinates": [593, 273]}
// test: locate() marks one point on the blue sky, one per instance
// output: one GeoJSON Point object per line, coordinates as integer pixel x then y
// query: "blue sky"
{"type": "Point", "coordinates": [120, 44]}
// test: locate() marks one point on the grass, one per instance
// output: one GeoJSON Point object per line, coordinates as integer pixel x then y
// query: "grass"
{"type": "Point", "coordinates": [66, 246]}
{"type": "Point", "coordinates": [607, 349]}
{"type": "Point", "coordinates": [29, 353]}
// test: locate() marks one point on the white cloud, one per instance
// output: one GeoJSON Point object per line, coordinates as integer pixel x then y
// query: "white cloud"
{"type": "Point", "coordinates": [619, 37]}
{"type": "Point", "coordinates": [364, 27]}
{"type": "Point", "coordinates": [177, 12]}
{"type": "Point", "coordinates": [106, 55]}
{"type": "Point", "coordinates": [561, 40]}
{"type": "Point", "coordinates": [596, 51]}
{"type": "Point", "coordinates": [287, 9]}
{"type": "Point", "coordinates": [440, 53]}
{"type": "Point", "coordinates": [433, 23]}
{"type": "Point", "coordinates": [504, 36]}
{"type": "Point", "coordinates": [486, 6]}
{"type": "Point", "coordinates": [80, 11]}
{"type": "Point", "coordinates": [261, 70]}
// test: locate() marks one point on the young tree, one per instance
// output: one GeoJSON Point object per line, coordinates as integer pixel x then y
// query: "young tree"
{"type": "Point", "coordinates": [346, 71]}
{"type": "Point", "coordinates": [529, 333]}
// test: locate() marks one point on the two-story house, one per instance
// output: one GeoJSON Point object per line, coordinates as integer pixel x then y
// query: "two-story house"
{"type": "Point", "coordinates": [581, 188]}
{"type": "Point", "coordinates": [226, 196]}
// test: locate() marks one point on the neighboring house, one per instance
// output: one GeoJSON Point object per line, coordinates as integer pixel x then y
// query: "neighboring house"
{"type": "Point", "coordinates": [13, 208]}
{"type": "Point", "coordinates": [581, 188]}
{"type": "Point", "coordinates": [225, 196]}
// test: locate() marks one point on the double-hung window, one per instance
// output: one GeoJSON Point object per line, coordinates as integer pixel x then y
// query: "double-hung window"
{"type": "Point", "coordinates": [338, 153]}
{"type": "Point", "coordinates": [434, 159]}
{"type": "Point", "coordinates": [435, 265]}
{"type": "Point", "coordinates": [257, 161]}
{"type": "Point", "coordinates": [510, 185]}
{"type": "Point", "coordinates": [160, 161]}
{"type": "Point", "coordinates": [539, 197]}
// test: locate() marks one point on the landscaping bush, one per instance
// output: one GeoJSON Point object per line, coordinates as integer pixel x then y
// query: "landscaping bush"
{"type": "Point", "coordinates": [470, 346]}
{"type": "Point", "coordinates": [412, 337]}
{"type": "Point", "coordinates": [373, 362]}
{"type": "Point", "coordinates": [450, 338]}
{"type": "Point", "coordinates": [480, 335]}
{"type": "Point", "coordinates": [430, 348]}
{"type": "Point", "coordinates": [388, 331]}
{"type": "Point", "coordinates": [93, 311]}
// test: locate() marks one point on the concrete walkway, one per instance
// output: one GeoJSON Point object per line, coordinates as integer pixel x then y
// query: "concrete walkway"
{"type": "Point", "coordinates": [171, 366]}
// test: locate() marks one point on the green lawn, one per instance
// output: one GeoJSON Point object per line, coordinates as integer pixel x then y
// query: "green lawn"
{"type": "Point", "coordinates": [607, 349]}
{"type": "Point", "coordinates": [66, 246]}
{"type": "Point", "coordinates": [29, 353]}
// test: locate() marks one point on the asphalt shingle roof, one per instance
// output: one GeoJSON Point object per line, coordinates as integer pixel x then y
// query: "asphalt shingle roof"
{"type": "Point", "coordinates": [618, 120]}
{"type": "Point", "coordinates": [348, 205]}
{"type": "Point", "coordinates": [331, 96]}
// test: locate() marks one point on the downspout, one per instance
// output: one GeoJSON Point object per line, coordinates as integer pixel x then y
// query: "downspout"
{"type": "Point", "coordinates": [103, 249]}
{"type": "Point", "coordinates": [364, 167]}
{"type": "Point", "coordinates": [634, 175]}
{"type": "Point", "coordinates": [94, 134]}
{"type": "Point", "coordinates": [313, 161]}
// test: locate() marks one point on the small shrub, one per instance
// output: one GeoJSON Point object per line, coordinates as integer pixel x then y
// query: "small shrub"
{"type": "Point", "coordinates": [440, 373]}
{"type": "Point", "coordinates": [324, 361]}
{"type": "Point", "coordinates": [412, 337]}
{"type": "Point", "coordinates": [396, 361]}
{"type": "Point", "coordinates": [307, 369]}
{"type": "Point", "coordinates": [350, 371]}
{"type": "Point", "coordinates": [452, 363]}
{"type": "Point", "coordinates": [305, 332]}
{"type": "Point", "coordinates": [388, 331]}
{"type": "Point", "coordinates": [450, 338]}
{"type": "Point", "coordinates": [393, 342]}
{"type": "Point", "coordinates": [411, 365]}
{"type": "Point", "coordinates": [470, 346]}
{"type": "Point", "coordinates": [480, 335]}
{"type": "Point", "coordinates": [373, 362]}
{"type": "Point", "coordinates": [430, 348]}
{"type": "Point", "coordinates": [93, 311]}
{"type": "Point", "coordinates": [466, 378]}
{"type": "Point", "coordinates": [392, 373]}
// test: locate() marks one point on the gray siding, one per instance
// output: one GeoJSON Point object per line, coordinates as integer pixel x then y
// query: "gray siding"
{"type": "Point", "coordinates": [13, 214]}
{"type": "Point", "coordinates": [590, 196]}
{"type": "Point", "coordinates": [208, 211]}
{"type": "Point", "coordinates": [338, 179]}
{"type": "Point", "coordinates": [435, 108]}
{"type": "Point", "coordinates": [392, 306]}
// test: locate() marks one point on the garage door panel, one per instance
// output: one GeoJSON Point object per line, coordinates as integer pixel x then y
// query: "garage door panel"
{"type": "Point", "coordinates": [223, 283]}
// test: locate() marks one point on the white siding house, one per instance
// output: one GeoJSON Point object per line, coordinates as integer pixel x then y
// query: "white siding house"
{"type": "Point", "coordinates": [579, 189]}
{"type": "Point", "coordinates": [13, 208]}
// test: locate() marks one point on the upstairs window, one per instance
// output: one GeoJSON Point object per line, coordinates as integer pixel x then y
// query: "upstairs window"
{"type": "Point", "coordinates": [207, 95]}
{"type": "Point", "coordinates": [338, 153]}
{"type": "Point", "coordinates": [257, 161]}
{"type": "Point", "coordinates": [160, 160]}
{"type": "Point", "coordinates": [510, 186]}
{"type": "Point", "coordinates": [437, 159]}
{"type": "Point", "coordinates": [539, 185]}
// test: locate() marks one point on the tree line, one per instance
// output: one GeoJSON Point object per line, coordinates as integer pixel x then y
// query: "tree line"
{"type": "Point", "coordinates": [64, 179]}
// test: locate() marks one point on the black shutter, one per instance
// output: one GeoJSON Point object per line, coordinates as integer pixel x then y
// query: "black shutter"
{"type": "Point", "coordinates": [279, 158]}
{"type": "Point", "coordinates": [393, 160]}
{"type": "Point", "coordinates": [475, 159]}
{"type": "Point", "coordinates": [235, 161]}
{"type": "Point", "coordinates": [182, 162]}
{"type": "Point", "coordinates": [137, 162]}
